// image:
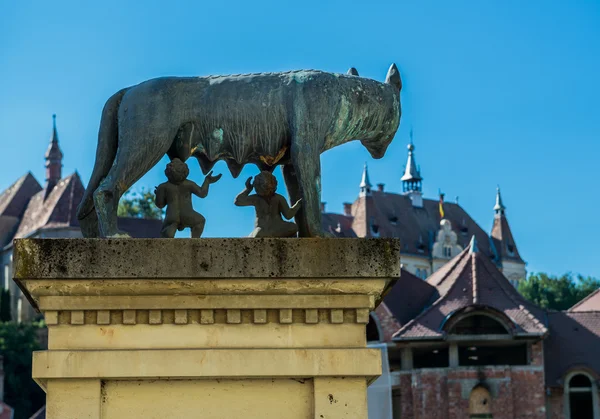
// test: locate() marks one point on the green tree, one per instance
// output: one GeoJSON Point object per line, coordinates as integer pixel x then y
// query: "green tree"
{"type": "Point", "coordinates": [5, 315]}
{"type": "Point", "coordinates": [139, 205]}
{"type": "Point", "coordinates": [17, 343]}
{"type": "Point", "coordinates": [557, 293]}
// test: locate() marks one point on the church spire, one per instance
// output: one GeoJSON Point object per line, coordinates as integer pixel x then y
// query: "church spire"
{"type": "Point", "coordinates": [412, 180]}
{"type": "Point", "coordinates": [53, 158]}
{"type": "Point", "coordinates": [365, 183]}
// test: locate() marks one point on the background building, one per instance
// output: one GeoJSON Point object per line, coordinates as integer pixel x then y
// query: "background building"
{"type": "Point", "coordinates": [28, 209]}
{"type": "Point", "coordinates": [464, 343]}
{"type": "Point", "coordinates": [431, 231]}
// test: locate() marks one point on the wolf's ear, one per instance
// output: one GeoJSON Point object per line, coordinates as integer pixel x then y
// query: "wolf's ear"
{"type": "Point", "coordinates": [393, 77]}
{"type": "Point", "coordinates": [353, 71]}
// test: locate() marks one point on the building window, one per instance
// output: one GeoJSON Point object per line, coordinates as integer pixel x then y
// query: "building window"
{"type": "Point", "coordinates": [447, 251]}
{"type": "Point", "coordinates": [581, 397]}
{"type": "Point", "coordinates": [470, 355]}
{"type": "Point", "coordinates": [430, 357]}
{"type": "Point", "coordinates": [19, 309]}
{"type": "Point", "coordinates": [478, 324]}
{"type": "Point", "coordinates": [511, 249]}
{"type": "Point", "coordinates": [6, 277]}
{"type": "Point", "coordinates": [373, 333]}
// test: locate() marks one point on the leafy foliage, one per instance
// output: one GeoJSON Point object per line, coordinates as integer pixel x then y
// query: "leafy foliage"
{"type": "Point", "coordinates": [17, 342]}
{"type": "Point", "coordinates": [557, 293]}
{"type": "Point", "coordinates": [139, 205]}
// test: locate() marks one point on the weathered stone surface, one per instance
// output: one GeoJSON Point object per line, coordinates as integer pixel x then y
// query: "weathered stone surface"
{"type": "Point", "coordinates": [206, 258]}
{"type": "Point", "coordinates": [252, 328]}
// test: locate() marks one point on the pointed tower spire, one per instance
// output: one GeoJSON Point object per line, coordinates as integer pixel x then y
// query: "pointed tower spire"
{"type": "Point", "coordinates": [504, 246]}
{"type": "Point", "coordinates": [412, 182]}
{"type": "Point", "coordinates": [499, 208]}
{"type": "Point", "coordinates": [53, 158]}
{"type": "Point", "coordinates": [365, 183]}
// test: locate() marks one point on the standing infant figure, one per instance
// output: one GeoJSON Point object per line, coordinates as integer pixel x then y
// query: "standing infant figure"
{"type": "Point", "coordinates": [269, 206]}
{"type": "Point", "coordinates": [176, 195]}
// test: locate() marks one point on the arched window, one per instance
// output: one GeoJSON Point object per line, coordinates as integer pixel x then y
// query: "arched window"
{"type": "Point", "coordinates": [373, 330]}
{"type": "Point", "coordinates": [480, 403]}
{"type": "Point", "coordinates": [581, 397]}
{"type": "Point", "coordinates": [478, 324]}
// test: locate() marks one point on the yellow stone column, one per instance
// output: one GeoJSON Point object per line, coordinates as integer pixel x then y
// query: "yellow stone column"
{"type": "Point", "coordinates": [206, 328]}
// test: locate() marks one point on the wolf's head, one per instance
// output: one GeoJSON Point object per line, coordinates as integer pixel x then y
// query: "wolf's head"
{"type": "Point", "coordinates": [378, 143]}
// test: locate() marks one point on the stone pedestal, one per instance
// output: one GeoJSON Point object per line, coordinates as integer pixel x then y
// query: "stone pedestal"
{"type": "Point", "coordinates": [206, 328]}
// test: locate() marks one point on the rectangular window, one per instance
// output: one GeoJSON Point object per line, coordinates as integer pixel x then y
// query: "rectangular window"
{"type": "Point", "coordinates": [6, 277]}
{"type": "Point", "coordinates": [430, 358]}
{"type": "Point", "coordinates": [476, 355]}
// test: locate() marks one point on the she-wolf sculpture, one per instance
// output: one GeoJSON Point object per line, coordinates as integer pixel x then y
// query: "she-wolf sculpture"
{"type": "Point", "coordinates": [268, 119]}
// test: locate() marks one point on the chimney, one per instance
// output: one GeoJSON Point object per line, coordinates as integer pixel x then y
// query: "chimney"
{"type": "Point", "coordinates": [323, 206]}
{"type": "Point", "coordinates": [348, 209]}
{"type": "Point", "coordinates": [380, 187]}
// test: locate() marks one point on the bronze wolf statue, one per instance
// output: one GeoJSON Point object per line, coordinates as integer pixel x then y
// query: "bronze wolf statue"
{"type": "Point", "coordinates": [268, 119]}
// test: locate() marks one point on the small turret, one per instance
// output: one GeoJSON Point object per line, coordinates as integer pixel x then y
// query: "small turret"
{"type": "Point", "coordinates": [365, 183]}
{"type": "Point", "coordinates": [412, 182]}
{"type": "Point", "coordinates": [499, 208]}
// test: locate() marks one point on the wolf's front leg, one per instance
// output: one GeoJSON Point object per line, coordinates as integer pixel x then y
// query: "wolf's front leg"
{"type": "Point", "coordinates": [303, 180]}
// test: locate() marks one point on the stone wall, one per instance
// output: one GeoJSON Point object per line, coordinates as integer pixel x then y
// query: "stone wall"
{"type": "Point", "coordinates": [443, 393]}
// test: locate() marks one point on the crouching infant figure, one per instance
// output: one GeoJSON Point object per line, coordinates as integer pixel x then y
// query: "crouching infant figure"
{"type": "Point", "coordinates": [176, 195]}
{"type": "Point", "coordinates": [269, 206]}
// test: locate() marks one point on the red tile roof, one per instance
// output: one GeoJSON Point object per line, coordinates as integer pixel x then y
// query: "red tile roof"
{"type": "Point", "coordinates": [15, 198]}
{"type": "Point", "coordinates": [573, 343]}
{"type": "Point", "coordinates": [337, 224]}
{"type": "Point", "coordinates": [387, 214]}
{"type": "Point", "coordinates": [589, 303]}
{"type": "Point", "coordinates": [504, 242]}
{"type": "Point", "coordinates": [58, 209]}
{"type": "Point", "coordinates": [408, 297]}
{"type": "Point", "coordinates": [472, 280]}
{"type": "Point", "coordinates": [388, 323]}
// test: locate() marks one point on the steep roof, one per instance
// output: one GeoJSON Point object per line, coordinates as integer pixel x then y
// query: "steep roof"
{"type": "Point", "coordinates": [411, 173]}
{"type": "Point", "coordinates": [589, 303]}
{"type": "Point", "coordinates": [408, 297]}
{"type": "Point", "coordinates": [57, 208]}
{"type": "Point", "coordinates": [472, 280]}
{"type": "Point", "coordinates": [13, 202]}
{"type": "Point", "coordinates": [15, 198]}
{"type": "Point", "coordinates": [502, 237]}
{"type": "Point", "coordinates": [561, 355]}
{"type": "Point", "coordinates": [337, 224]}
{"type": "Point", "coordinates": [393, 215]}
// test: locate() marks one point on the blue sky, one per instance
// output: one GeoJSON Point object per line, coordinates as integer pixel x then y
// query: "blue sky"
{"type": "Point", "coordinates": [497, 92]}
